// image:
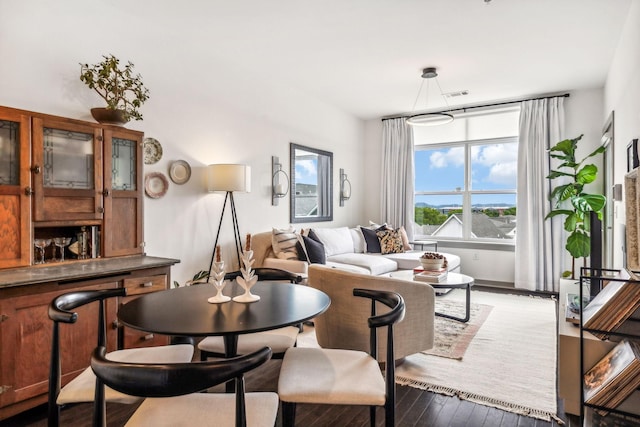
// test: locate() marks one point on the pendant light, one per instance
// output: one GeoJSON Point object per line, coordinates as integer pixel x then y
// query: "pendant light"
{"type": "Point", "coordinates": [429, 119]}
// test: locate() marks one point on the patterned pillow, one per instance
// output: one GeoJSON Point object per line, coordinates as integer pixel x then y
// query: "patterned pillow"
{"type": "Point", "coordinates": [390, 241]}
{"type": "Point", "coordinates": [284, 243]}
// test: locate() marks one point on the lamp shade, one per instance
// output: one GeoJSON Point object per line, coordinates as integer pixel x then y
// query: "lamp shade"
{"type": "Point", "coordinates": [227, 177]}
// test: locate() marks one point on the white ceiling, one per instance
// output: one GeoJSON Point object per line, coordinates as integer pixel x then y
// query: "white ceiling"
{"type": "Point", "coordinates": [363, 56]}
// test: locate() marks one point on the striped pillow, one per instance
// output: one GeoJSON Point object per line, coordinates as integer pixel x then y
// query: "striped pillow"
{"type": "Point", "coordinates": [284, 243]}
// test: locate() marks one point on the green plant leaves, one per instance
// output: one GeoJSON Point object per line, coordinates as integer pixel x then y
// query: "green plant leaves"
{"type": "Point", "coordinates": [578, 244]}
{"type": "Point", "coordinates": [587, 174]}
{"type": "Point", "coordinates": [571, 194]}
{"type": "Point", "coordinates": [120, 88]}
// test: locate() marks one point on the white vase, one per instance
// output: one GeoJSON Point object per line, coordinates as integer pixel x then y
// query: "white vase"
{"type": "Point", "coordinates": [216, 278]}
{"type": "Point", "coordinates": [248, 279]}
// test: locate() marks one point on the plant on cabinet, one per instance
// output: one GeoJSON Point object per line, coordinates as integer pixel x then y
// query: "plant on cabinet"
{"type": "Point", "coordinates": [122, 90]}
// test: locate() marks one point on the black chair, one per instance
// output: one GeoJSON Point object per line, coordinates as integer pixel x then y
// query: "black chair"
{"type": "Point", "coordinates": [279, 340]}
{"type": "Point", "coordinates": [82, 388]}
{"type": "Point", "coordinates": [173, 392]}
{"type": "Point", "coordinates": [344, 377]}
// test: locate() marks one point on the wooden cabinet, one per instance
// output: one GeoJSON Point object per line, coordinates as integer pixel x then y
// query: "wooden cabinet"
{"type": "Point", "coordinates": [15, 188]}
{"type": "Point", "coordinates": [67, 170]}
{"type": "Point", "coordinates": [58, 175]}
{"type": "Point", "coordinates": [25, 342]}
{"type": "Point", "coordinates": [136, 287]}
{"type": "Point", "coordinates": [122, 225]}
{"type": "Point", "coordinates": [25, 328]}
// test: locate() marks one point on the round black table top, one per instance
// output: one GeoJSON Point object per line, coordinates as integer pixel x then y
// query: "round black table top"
{"type": "Point", "coordinates": [186, 312]}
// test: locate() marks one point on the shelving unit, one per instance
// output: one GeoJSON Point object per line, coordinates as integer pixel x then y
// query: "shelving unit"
{"type": "Point", "coordinates": [628, 411]}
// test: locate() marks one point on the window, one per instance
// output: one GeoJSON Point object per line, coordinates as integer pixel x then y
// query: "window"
{"type": "Point", "coordinates": [467, 189]}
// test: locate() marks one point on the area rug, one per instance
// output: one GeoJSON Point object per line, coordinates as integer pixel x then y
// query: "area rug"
{"type": "Point", "coordinates": [510, 364]}
{"type": "Point", "coordinates": [452, 338]}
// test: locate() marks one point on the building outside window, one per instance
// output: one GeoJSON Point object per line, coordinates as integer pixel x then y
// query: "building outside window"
{"type": "Point", "coordinates": [465, 178]}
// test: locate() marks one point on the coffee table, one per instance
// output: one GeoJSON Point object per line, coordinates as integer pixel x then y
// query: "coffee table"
{"type": "Point", "coordinates": [453, 281]}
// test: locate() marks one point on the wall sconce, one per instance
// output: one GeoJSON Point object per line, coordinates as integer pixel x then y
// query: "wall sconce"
{"type": "Point", "coordinates": [345, 187]}
{"type": "Point", "coordinates": [278, 189]}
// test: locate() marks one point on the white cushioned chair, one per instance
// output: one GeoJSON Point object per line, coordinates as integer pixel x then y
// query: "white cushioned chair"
{"type": "Point", "coordinates": [82, 387]}
{"type": "Point", "coordinates": [173, 392]}
{"type": "Point", "coordinates": [345, 377]}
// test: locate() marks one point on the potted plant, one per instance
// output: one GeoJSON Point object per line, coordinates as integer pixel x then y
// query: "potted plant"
{"type": "Point", "coordinates": [122, 90]}
{"type": "Point", "coordinates": [572, 201]}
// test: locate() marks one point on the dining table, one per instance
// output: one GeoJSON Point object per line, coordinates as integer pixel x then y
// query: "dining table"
{"type": "Point", "coordinates": [185, 311]}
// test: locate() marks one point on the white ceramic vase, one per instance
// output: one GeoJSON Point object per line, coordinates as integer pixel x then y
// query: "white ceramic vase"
{"type": "Point", "coordinates": [216, 278]}
{"type": "Point", "coordinates": [248, 279]}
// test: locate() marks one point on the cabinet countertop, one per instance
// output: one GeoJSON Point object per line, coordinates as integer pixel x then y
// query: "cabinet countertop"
{"type": "Point", "coordinates": [79, 270]}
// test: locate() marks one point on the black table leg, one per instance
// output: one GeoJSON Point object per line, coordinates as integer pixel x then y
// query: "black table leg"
{"type": "Point", "coordinates": [230, 350]}
{"type": "Point", "coordinates": [467, 314]}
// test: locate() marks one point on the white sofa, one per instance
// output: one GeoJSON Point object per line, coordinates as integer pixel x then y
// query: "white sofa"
{"type": "Point", "coordinates": [345, 249]}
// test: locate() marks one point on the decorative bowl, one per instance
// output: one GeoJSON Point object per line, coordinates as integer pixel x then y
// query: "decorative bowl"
{"type": "Point", "coordinates": [432, 264]}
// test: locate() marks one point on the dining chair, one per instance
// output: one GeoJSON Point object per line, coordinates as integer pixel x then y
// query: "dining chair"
{"type": "Point", "coordinates": [82, 388]}
{"type": "Point", "coordinates": [173, 395]}
{"type": "Point", "coordinates": [344, 377]}
{"type": "Point", "coordinates": [279, 340]}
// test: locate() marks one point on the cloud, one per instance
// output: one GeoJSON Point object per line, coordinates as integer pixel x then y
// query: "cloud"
{"type": "Point", "coordinates": [501, 159]}
{"type": "Point", "coordinates": [444, 158]}
{"type": "Point", "coordinates": [306, 169]}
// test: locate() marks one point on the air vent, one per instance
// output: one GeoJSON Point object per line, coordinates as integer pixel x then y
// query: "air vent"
{"type": "Point", "coordinates": [456, 94]}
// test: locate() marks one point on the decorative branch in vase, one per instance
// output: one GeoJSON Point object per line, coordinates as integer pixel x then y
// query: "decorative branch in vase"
{"type": "Point", "coordinates": [248, 278]}
{"type": "Point", "coordinates": [217, 279]}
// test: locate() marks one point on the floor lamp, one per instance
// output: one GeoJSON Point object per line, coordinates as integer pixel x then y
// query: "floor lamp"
{"type": "Point", "coordinates": [228, 178]}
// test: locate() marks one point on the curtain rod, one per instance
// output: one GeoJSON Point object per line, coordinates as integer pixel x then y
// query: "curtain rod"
{"type": "Point", "coordinates": [495, 104]}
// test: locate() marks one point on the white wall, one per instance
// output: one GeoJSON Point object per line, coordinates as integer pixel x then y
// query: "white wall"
{"type": "Point", "coordinates": [201, 116]}
{"type": "Point", "coordinates": [622, 96]}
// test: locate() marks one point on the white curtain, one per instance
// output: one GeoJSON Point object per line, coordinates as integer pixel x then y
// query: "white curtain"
{"type": "Point", "coordinates": [540, 253]}
{"type": "Point", "coordinates": [397, 175]}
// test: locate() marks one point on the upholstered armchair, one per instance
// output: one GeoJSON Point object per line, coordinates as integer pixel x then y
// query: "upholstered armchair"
{"type": "Point", "coordinates": [343, 326]}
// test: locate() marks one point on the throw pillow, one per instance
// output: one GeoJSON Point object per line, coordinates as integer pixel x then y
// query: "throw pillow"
{"type": "Point", "coordinates": [405, 239]}
{"type": "Point", "coordinates": [336, 241]}
{"type": "Point", "coordinates": [284, 243]}
{"type": "Point", "coordinates": [371, 239]}
{"type": "Point", "coordinates": [390, 241]}
{"type": "Point", "coordinates": [312, 235]}
{"type": "Point", "coordinates": [359, 245]}
{"type": "Point", "coordinates": [376, 226]}
{"type": "Point", "coordinates": [311, 251]}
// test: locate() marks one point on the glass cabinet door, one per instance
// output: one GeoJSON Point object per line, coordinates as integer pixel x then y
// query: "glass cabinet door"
{"type": "Point", "coordinates": [68, 159]}
{"type": "Point", "coordinates": [123, 164]}
{"type": "Point", "coordinates": [67, 168]}
{"type": "Point", "coordinates": [15, 189]}
{"type": "Point", "coordinates": [123, 192]}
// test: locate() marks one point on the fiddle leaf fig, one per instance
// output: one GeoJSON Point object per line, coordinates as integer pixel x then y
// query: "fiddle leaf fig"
{"type": "Point", "coordinates": [577, 204]}
{"type": "Point", "coordinates": [579, 244]}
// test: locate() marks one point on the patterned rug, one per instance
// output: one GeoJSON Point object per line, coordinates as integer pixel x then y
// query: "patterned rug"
{"type": "Point", "coordinates": [510, 363]}
{"type": "Point", "coordinates": [452, 337]}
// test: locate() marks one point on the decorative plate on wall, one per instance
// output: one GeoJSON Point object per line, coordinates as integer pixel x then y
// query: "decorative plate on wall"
{"type": "Point", "coordinates": [155, 184]}
{"type": "Point", "coordinates": [180, 171]}
{"type": "Point", "coordinates": [152, 151]}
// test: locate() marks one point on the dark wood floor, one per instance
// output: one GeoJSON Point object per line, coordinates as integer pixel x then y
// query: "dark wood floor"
{"type": "Point", "coordinates": [414, 408]}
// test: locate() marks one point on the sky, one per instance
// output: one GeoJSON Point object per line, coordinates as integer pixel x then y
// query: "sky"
{"type": "Point", "coordinates": [493, 167]}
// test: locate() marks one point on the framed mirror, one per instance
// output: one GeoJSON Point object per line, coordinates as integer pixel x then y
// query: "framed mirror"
{"type": "Point", "coordinates": [311, 184]}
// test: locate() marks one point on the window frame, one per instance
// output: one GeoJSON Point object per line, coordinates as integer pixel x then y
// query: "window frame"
{"type": "Point", "coordinates": [467, 192]}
